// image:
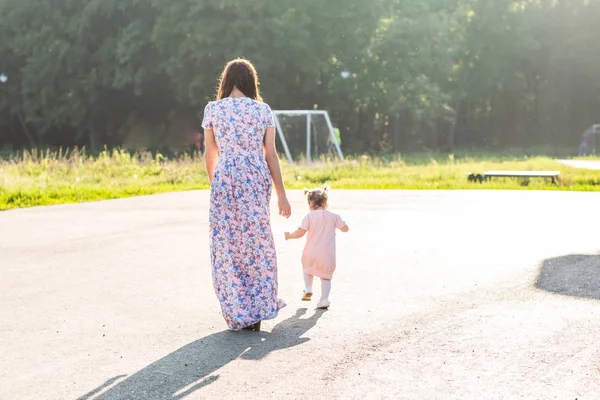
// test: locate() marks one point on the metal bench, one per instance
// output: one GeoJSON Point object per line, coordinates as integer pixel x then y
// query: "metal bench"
{"type": "Point", "coordinates": [488, 175]}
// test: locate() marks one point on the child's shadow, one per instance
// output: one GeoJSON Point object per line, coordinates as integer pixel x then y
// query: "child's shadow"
{"type": "Point", "coordinates": [171, 376]}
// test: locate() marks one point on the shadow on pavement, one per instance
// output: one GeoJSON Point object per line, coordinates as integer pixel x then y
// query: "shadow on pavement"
{"type": "Point", "coordinates": [573, 275]}
{"type": "Point", "coordinates": [190, 368]}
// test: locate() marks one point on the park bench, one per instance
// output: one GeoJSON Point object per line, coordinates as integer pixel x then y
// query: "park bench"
{"type": "Point", "coordinates": [488, 175]}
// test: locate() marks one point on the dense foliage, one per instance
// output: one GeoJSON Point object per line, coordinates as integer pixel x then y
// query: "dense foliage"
{"type": "Point", "coordinates": [423, 73]}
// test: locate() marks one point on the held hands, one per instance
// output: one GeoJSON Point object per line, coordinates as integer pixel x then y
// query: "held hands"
{"type": "Point", "coordinates": [287, 236]}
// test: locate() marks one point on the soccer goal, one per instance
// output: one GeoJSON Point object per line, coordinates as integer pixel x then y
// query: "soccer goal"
{"type": "Point", "coordinates": [313, 127]}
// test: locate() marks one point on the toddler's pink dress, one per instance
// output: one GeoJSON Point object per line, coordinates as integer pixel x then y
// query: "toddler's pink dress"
{"type": "Point", "coordinates": [318, 258]}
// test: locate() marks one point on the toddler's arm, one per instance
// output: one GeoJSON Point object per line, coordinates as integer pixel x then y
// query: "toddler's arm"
{"type": "Point", "coordinates": [295, 235]}
{"type": "Point", "coordinates": [341, 224]}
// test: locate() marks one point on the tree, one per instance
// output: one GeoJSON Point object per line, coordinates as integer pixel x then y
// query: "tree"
{"type": "Point", "coordinates": [419, 73]}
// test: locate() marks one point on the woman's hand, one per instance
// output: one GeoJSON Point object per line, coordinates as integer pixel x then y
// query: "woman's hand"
{"type": "Point", "coordinates": [285, 210]}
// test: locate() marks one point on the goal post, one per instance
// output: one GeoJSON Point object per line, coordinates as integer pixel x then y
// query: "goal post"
{"type": "Point", "coordinates": [308, 114]}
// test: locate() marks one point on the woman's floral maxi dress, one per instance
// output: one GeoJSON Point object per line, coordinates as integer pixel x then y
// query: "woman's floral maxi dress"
{"type": "Point", "coordinates": [244, 262]}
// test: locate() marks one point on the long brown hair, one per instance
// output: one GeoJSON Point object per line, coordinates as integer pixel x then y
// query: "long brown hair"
{"type": "Point", "coordinates": [239, 73]}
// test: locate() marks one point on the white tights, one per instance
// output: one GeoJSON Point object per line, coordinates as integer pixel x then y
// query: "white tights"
{"type": "Point", "coordinates": [325, 286]}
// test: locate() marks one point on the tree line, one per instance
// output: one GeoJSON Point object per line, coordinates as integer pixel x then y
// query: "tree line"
{"type": "Point", "coordinates": [395, 75]}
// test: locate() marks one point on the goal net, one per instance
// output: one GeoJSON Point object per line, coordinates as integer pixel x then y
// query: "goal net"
{"type": "Point", "coordinates": [308, 132]}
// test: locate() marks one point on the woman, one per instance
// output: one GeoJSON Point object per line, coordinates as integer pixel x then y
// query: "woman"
{"type": "Point", "coordinates": [243, 165]}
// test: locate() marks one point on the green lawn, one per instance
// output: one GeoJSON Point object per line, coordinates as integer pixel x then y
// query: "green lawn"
{"type": "Point", "coordinates": [55, 177]}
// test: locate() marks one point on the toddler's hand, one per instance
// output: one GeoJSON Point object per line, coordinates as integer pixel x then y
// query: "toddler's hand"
{"type": "Point", "coordinates": [287, 236]}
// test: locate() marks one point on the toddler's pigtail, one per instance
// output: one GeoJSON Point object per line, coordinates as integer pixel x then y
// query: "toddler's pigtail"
{"type": "Point", "coordinates": [306, 191]}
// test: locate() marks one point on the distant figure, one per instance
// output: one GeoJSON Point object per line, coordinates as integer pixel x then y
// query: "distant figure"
{"type": "Point", "coordinates": [199, 136]}
{"type": "Point", "coordinates": [243, 167]}
{"type": "Point", "coordinates": [318, 258]}
{"type": "Point", "coordinates": [338, 138]}
{"type": "Point", "coordinates": [584, 143]}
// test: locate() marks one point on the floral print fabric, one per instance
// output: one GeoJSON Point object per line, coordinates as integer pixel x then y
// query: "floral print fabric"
{"type": "Point", "coordinates": [244, 262]}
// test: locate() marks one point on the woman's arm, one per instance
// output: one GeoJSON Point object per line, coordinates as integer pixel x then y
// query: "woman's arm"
{"type": "Point", "coordinates": [211, 153]}
{"type": "Point", "coordinates": [275, 170]}
{"type": "Point", "coordinates": [295, 235]}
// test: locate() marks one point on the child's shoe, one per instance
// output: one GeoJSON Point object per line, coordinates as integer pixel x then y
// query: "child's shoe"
{"type": "Point", "coordinates": [323, 304]}
{"type": "Point", "coordinates": [306, 296]}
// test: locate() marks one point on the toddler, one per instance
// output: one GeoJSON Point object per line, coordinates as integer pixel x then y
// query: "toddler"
{"type": "Point", "coordinates": [318, 257]}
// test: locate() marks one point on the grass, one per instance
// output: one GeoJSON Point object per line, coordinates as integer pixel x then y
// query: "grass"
{"type": "Point", "coordinates": [44, 178]}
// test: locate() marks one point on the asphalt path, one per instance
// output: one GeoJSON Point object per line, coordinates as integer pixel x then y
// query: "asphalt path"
{"type": "Point", "coordinates": [582, 164]}
{"type": "Point", "coordinates": [438, 295]}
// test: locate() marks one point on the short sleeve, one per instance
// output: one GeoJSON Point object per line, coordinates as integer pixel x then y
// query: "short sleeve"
{"type": "Point", "coordinates": [339, 222]}
{"type": "Point", "coordinates": [207, 119]}
{"type": "Point", "coordinates": [305, 222]}
{"type": "Point", "coordinates": [269, 120]}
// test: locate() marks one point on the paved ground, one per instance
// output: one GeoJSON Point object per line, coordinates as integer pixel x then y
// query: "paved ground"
{"type": "Point", "coordinates": [438, 295]}
{"type": "Point", "coordinates": [582, 164]}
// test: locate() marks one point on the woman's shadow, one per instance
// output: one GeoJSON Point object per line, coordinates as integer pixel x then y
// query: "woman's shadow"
{"type": "Point", "coordinates": [189, 368]}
